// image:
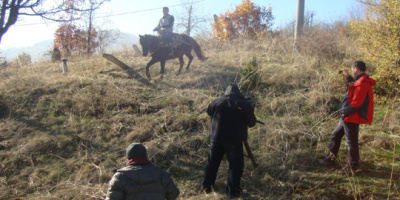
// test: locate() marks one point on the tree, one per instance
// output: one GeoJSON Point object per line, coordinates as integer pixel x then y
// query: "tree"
{"type": "Point", "coordinates": [94, 5]}
{"type": "Point", "coordinates": [246, 20]}
{"type": "Point", "coordinates": [107, 37]}
{"type": "Point", "coordinates": [191, 20]}
{"type": "Point", "coordinates": [64, 39]}
{"type": "Point", "coordinates": [76, 41]}
{"type": "Point", "coordinates": [72, 41]}
{"type": "Point", "coordinates": [379, 37]}
{"type": "Point", "coordinates": [55, 10]}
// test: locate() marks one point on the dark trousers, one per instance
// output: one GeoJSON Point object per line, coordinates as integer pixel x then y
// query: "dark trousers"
{"type": "Point", "coordinates": [167, 38]}
{"type": "Point", "coordinates": [351, 131]}
{"type": "Point", "coordinates": [236, 163]}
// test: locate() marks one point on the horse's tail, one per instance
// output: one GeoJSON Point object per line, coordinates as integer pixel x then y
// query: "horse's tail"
{"type": "Point", "coordinates": [196, 48]}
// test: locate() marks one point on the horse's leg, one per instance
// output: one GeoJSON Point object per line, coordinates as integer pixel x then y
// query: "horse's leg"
{"type": "Point", "coordinates": [162, 62]}
{"type": "Point", "coordinates": [181, 62]}
{"type": "Point", "coordinates": [151, 62]}
{"type": "Point", "coordinates": [189, 55]}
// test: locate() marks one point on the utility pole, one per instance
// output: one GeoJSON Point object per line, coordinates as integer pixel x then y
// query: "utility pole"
{"type": "Point", "coordinates": [189, 21]}
{"type": "Point", "coordinates": [299, 19]}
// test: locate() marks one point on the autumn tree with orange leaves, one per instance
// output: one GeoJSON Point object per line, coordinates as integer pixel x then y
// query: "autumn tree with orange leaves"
{"type": "Point", "coordinates": [72, 41]}
{"type": "Point", "coordinates": [247, 19]}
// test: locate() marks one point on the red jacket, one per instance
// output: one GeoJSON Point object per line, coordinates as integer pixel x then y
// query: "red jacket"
{"type": "Point", "coordinates": [358, 104]}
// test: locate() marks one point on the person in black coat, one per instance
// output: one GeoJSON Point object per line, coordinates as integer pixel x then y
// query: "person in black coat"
{"type": "Point", "coordinates": [231, 115]}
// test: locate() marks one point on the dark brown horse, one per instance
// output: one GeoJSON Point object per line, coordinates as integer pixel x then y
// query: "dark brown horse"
{"type": "Point", "coordinates": [160, 52]}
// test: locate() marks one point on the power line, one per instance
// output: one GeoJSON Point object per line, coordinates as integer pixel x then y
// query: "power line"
{"type": "Point", "coordinates": [126, 13]}
{"type": "Point", "coordinates": [150, 9]}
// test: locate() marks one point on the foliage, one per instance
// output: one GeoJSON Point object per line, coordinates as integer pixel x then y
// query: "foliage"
{"type": "Point", "coordinates": [247, 19]}
{"type": "Point", "coordinates": [72, 41]}
{"type": "Point", "coordinates": [250, 75]}
{"type": "Point", "coordinates": [379, 37]}
{"type": "Point", "coordinates": [55, 55]}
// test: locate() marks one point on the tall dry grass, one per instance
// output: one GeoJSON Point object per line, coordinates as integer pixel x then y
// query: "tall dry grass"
{"type": "Point", "coordinates": [61, 136]}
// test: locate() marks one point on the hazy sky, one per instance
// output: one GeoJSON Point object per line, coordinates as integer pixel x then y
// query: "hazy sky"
{"type": "Point", "coordinates": [141, 16]}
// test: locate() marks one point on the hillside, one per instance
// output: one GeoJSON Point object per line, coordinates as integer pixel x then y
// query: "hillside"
{"type": "Point", "coordinates": [61, 136]}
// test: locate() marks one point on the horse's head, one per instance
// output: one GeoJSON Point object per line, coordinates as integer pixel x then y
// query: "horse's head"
{"type": "Point", "coordinates": [145, 43]}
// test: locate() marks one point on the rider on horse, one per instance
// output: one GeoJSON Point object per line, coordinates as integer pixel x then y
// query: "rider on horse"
{"type": "Point", "coordinates": [165, 29]}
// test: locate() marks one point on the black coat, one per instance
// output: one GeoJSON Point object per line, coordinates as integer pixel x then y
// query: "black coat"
{"type": "Point", "coordinates": [231, 114]}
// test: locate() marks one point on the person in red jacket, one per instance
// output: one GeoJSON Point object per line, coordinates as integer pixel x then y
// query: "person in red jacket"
{"type": "Point", "coordinates": [357, 108]}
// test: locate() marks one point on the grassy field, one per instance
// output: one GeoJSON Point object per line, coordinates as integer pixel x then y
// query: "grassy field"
{"type": "Point", "coordinates": [61, 136]}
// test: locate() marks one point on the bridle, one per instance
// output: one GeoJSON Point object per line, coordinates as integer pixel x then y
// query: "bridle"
{"type": "Point", "coordinates": [153, 49]}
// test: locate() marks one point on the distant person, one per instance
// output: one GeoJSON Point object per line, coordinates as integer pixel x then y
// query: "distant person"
{"type": "Point", "coordinates": [231, 115]}
{"type": "Point", "coordinates": [165, 28]}
{"type": "Point", "coordinates": [141, 180]}
{"type": "Point", "coordinates": [357, 108]}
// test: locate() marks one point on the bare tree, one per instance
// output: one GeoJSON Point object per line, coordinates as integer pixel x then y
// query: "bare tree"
{"type": "Point", "coordinates": [54, 10]}
{"type": "Point", "coordinates": [107, 37]}
{"type": "Point", "coordinates": [191, 19]}
{"type": "Point", "coordinates": [94, 5]}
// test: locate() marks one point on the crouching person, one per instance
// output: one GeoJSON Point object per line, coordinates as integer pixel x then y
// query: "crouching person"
{"type": "Point", "coordinates": [140, 179]}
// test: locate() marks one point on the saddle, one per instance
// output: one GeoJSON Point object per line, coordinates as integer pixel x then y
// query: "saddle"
{"type": "Point", "coordinates": [176, 40]}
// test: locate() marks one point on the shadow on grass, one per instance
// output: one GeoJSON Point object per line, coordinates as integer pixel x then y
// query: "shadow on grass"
{"type": "Point", "coordinates": [214, 80]}
{"type": "Point", "coordinates": [308, 178]}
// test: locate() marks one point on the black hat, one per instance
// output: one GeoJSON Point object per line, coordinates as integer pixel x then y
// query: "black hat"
{"type": "Point", "coordinates": [136, 150]}
{"type": "Point", "coordinates": [232, 89]}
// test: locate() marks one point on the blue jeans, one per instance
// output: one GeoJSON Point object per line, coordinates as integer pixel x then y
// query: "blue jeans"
{"type": "Point", "coordinates": [234, 154]}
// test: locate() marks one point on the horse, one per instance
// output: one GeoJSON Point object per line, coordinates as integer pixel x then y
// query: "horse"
{"type": "Point", "coordinates": [160, 52]}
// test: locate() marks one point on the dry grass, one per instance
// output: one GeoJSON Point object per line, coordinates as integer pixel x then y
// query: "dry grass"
{"type": "Point", "coordinates": [61, 136]}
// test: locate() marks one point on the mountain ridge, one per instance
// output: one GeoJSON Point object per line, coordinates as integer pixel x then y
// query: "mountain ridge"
{"type": "Point", "coordinates": [39, 51]}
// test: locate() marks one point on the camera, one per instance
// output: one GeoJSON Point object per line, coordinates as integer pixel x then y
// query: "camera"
{"type": "Point", "coordinates": [340, 71]}
{"type": "Point", "coordinates": [250, 101]}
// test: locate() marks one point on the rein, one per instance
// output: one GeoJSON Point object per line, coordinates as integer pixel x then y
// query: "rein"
{"type": "Point", "coordinates": [156, 48]}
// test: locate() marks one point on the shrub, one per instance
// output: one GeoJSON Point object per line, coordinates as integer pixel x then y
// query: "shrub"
{"type": "Point", "coordinates": [379, 41]}
{"type": "Point", "coordinates": [55, 55]}
{"type": "Point", "coordinates": [250, 75]}
{"type": "Point", "coordinates": [24, 59]}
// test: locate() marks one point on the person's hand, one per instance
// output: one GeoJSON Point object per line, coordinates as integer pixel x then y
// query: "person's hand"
{"type": "Point", "coordinates": [345, 73]}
